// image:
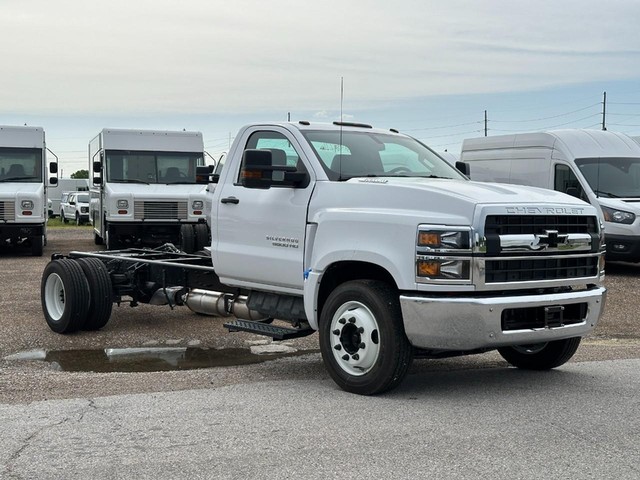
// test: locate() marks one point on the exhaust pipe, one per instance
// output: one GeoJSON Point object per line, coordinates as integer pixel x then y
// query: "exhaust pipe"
{"type": "Point", "coordinates": [220, 304]}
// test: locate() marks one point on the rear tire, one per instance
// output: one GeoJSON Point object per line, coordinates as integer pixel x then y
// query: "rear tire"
{"type": "Point", "coordinates": [362, 337]}
{"type": "Point", "coordinates": [100, 302]}
{"type": "Point", "coordinates": [187, 238]}
{"type": "Point", "coordinates": [541, 356]}
{"type": "Point", "coordinates": [64, 292]}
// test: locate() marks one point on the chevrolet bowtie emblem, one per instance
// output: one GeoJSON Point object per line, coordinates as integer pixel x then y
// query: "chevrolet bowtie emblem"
{"type": "Point", "coordinates": [551, 238]}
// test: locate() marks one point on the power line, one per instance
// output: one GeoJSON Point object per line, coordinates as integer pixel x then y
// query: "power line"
{"type": "Point", "coordinates": [547, 118]}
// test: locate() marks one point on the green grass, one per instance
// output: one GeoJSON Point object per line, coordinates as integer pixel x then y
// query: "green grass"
{"type": "Point", "coordinates": [57, 223]}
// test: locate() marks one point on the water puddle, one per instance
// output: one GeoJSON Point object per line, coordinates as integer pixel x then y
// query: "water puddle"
{"type": "Point", "coordinates": [155, 359]}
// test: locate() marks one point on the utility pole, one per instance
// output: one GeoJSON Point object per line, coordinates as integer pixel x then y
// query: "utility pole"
{"type": "Point", "coordinates": [604, 110]}
{"type": "Point", "coordinates": [485, 123]}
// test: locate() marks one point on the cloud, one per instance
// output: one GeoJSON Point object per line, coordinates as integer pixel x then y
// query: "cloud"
{"type": "Point", "coordinates": [210, 56]}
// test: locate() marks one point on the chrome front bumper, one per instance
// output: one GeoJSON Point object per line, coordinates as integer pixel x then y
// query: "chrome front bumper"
{"type": "Point", "coordinates": [468, 323]}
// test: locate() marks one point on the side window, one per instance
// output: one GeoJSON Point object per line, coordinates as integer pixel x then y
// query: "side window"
{"type": "Point", "coordinates": [566, 182]}
{"type": "Point", "coordinates": [282, 152]}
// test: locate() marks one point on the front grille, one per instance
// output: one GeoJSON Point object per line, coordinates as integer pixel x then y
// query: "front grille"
{"type": "Point", "coordinates": [538, 224]}
{"type": "Point", "coordinates": [160, 210]}
{"type": "Point", "coordinates": [7, 210]}
{"type": "Point", "coordinates": [84, 209]}
{"type": "Point", "coordinates": [537, 269]}
{"type": "Point", "coordinates": [540, 317]}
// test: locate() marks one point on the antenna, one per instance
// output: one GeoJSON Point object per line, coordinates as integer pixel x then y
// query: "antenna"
{"type": "Point", "coordinates": [341, 103]}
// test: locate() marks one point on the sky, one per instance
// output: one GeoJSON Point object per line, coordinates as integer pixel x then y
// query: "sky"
{"type": "Point", "coordinates": [428, 68]}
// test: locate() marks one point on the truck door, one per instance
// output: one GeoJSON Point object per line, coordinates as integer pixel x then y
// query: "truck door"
{"type": "Point", "coordinates": [259, 234]}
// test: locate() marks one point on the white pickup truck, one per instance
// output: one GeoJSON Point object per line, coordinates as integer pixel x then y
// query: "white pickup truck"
{"type": "Point", "coordinates": [370, 238]}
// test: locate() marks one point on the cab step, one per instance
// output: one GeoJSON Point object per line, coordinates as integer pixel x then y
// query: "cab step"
{"type": "Point", "coordinates": [268, 330]}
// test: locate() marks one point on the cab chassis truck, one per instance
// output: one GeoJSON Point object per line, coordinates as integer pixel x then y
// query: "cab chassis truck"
{"type": "Point", "coordinates": [370, 238]}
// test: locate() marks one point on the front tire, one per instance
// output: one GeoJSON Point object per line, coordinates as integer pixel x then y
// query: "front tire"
{"type": "Point", "coordinates": [64, 291]}
{"type": "Point", "coordinates": [541, 356]}
{"type": "Point", "coordinates": [202, 236]}
{"type": "Point", "coordinates": [187, 238]}
{"type": "Point", "coordinates": [37, 245]}
{"type": "Point", "coordinates": [362, 337]}
{"type": "Point", "coordinates": [62, 217]}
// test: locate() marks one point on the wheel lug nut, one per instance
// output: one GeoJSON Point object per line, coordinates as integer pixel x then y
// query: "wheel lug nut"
{"type": "Point", "coordinates": [361, 345]}
{"type": "Point", "coordinates": [345, 357]}
{"type": "Point", "coordinates": [352, 320]}
{"type": "Point", "coordinates": [338, 347]}
{"type": "Point", "coordinates": [361, 330]}
{"type": "Point", "coordinates": [342, 321]}
{"type": "Point", "coordinates": [336, 332]}
{"type": "Point", "coordinates": [355, 357]}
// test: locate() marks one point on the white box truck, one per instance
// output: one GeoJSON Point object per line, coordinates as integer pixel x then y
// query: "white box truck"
{"type": "Point", "coordinates": [145, 190]}
{"type": "Point", "coordinates": [371, 239]}
{"type": "Point", "coordinates": [23, 187]}
{"type": "Point", "coordinates": [600, 167]}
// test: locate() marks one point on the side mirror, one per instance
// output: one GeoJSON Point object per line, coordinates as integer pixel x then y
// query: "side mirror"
{"type": "Point", "coordinates": [257, 166]}
{"type": "Point", "coordinates": [97, 166]}
{"type": "Point", "coordinates": [53, 181]}
{"type": "Point", "coordinates": [204, 173]}
{"type": "Point", "coordinates": [463, 167]}
{"type": "Point", "coordinates": [53, 167]}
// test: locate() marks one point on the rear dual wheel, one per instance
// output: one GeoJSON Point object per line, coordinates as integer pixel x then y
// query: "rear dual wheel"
{"type": "Point", "coordinates": [76, 294]}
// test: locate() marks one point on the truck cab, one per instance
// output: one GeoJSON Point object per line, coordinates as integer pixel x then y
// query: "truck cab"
{"type": "Point", "coordinates": [145, 190]}
{"type": "Point", "coordinates": [23, 187]}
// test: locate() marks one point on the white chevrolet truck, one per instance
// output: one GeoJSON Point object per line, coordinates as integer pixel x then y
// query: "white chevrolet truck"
{"type": "Point", "coordinates": [145, 190]}
{"type": "Point", "coordinates": [23, 187]}
{"type": "Point", "coordinates": [371, 239]}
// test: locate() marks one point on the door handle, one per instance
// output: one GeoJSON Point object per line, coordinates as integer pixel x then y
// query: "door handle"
{"type": "Point", "coordinates": [233, 200]}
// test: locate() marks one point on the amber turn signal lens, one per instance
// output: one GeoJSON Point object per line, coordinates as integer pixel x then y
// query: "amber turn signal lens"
{"type": "Point", "coordinates": [428, 268]}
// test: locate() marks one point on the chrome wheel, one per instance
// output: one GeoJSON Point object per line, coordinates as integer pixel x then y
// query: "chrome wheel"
{"type": "Point", "coordinates": [355, 339]}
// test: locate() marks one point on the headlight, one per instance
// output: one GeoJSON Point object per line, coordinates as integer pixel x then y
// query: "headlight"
{"type": "Point", "coordinates": [618, 216]}
{"type": "Point", "coordinates": [27, 204]}
{"type": "Point", "coordinates": [123, 204]}
{"type": "Point", "coordinates": [197, 205]}
{"type": "Point", "coordinates": [443, 254]}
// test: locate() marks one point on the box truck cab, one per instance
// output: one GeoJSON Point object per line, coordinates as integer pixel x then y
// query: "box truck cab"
{"type": "Point", "coordinates": [23, 197]}
{"type": "Point", "coordinates": [600, 167]}
{"type": "Point", "coordinates": [145, 190]}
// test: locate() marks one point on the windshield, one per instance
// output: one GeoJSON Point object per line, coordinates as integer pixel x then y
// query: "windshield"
{"type": "Point", "coordinates": [351, 154]}
{"type": "Point", "coordinates": [20, 165]}
{"type": "Point", "coordinates": [84, 198]}
{"type": "Point", "coordinates": [612, 177]}
{"type": "Point", "coordinates": [152, 167]}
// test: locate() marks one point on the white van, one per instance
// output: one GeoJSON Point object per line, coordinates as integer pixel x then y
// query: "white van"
{"type": "Point", "coordinates": [600, 167]}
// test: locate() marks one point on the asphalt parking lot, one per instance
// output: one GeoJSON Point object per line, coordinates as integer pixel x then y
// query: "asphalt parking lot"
{"type": "Point", "coordinates": [24, 329]}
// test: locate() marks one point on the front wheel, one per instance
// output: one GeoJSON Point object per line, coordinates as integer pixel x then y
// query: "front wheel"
{"type": "Point", "coordinates": [362, 337]}
{"type": "Point", "coordinates": [541, 356]}
{"type": "Point", "coordinates": [62, 217]}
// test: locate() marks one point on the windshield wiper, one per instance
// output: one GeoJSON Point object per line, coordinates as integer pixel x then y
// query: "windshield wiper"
{"type": "Point", "coordinates": [132, 180]}
{"type": "Point", "coordinates": [12, 179]}
{"type": "Point", "coordinates": [608, 194]}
